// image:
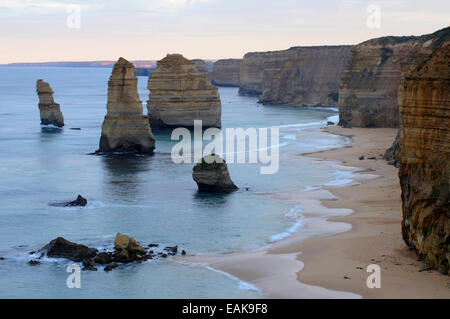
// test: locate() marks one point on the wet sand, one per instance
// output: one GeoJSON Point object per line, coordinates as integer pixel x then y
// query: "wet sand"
{"type": "Point", "coordinates": [346, 228]}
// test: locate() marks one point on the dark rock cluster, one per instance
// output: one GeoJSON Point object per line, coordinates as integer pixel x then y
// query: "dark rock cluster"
{"type": "Point", "coordinates": [126, 250]}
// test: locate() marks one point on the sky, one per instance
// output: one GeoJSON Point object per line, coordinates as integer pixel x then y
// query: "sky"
{"type": "Point", "coordinates": [80, 30]}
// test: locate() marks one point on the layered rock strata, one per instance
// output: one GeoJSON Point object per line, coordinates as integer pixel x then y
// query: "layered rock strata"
{"type": "Point", "coordinates": [180, 94]}
{"type": "Point", "coordinates": [304, 76]}
{"type": "Point", "coordinates": [211, 175]}
{"type": "Point", "coordinates": [226, 72]}
{"type": "Point", "coordinates": [125, 129]}
{"type": "Point", "coordinates": [425, 160]}
{"type": "Point", "coordinates": [371, 86]}
{"type": "Point", "coordinates": [49, 110]}
{"type": "Point", "coordinates": [200, 65]}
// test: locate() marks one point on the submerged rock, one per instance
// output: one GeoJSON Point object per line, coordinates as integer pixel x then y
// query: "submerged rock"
{"type": "Point", "coordinates": [80, 201]}
{"type": "Point", "coordinates": [180, 94]}
{"type": "Point", "coordinates": [211, 175]}
{"type": "Point", "coordinates": [50, 111]}
{"type": "Point", "coordinates": [111, 266]}
{"type": "Point", "coordinates": [62, 248]}
{"type": "Point", "coordinates": [125, 128]}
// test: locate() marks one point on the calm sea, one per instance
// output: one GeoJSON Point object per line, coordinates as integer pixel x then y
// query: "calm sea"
{"type": "Point", "coordinates": [149, 198]}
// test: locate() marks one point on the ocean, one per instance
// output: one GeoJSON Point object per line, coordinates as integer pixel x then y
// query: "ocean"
{"type": "Point", "coordinates": [148, 197]}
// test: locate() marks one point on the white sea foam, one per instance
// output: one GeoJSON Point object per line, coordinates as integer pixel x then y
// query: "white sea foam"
{"type": "Point", "coordinates": [291, 230]}
{"type": "Point", "coordinates": [296, 214]}
{"type": "Point", "coordinates": [241, 284]}
{"type": "Point", "coordinates": [341, 178]}
{"type": "Point", "coordinates": [290, 137]}
{"type": "Point", "coordinates": [311, 188]}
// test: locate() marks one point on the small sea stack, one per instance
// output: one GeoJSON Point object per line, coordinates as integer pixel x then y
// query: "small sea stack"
{"type": "Point", "coordinates": [50, 111]}
{"type": "Point", "coordinates": [125, 128]}
{"type": "Point", "coordinates": [211, 175]}
{"type": "Point", "coordinates": [180, 94]}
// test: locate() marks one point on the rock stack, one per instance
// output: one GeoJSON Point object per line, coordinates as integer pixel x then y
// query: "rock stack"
{"type": "Point", "coordinates": [211, 175]}
{"type": "Point", "coordinates": [180, 94]}
{"type": "Point", "coordinates": [50, 111]}
{"type": "Point", "coordinates": [425, 160]}
{"type": "Point", "coordinates": [125, 129]}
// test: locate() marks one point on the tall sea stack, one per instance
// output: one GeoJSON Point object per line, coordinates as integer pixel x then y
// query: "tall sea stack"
{"type": "Point", "coordinates": [125, 129]}
{"type": "Point", "coordinates": [50, 111]}
{"type": "Point", "coordinates": [425, 160]}
{"type": "Point", "coordinates": [180, 94]}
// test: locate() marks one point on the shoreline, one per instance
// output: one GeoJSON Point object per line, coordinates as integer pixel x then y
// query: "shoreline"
{"type": "Point", "coordinates": [348, 231]}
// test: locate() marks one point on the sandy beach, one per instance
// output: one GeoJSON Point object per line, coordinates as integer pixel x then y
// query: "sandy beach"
{"type": "Point", "coordinates": [328, 258]}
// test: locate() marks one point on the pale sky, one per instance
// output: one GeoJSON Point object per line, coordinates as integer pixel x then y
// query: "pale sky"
{"type": "Point", "coordinates": [38, 30]}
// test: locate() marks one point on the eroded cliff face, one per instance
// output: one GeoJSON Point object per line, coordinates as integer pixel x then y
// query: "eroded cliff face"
{"type": "Point", "coordinates": [49, 110]}
{"type": "Point", "coordinates": [125, 129]}
{"type": "Point", "coordinates": [371, 86]}
{"type": "Point", "coordinates": [425, 156]}
{"type": "Point", "coordinates": [226, 72]}
{"type": "Point", "coordinates": [251, 73]}
{"type": "Point", "coordinates": [304, 76]}
{"type": "Point", "coordinates": [201, 66]}
{"type": "Point", "coordinates": [180, 94]}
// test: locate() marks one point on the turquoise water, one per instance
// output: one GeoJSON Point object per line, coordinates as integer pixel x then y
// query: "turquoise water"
{"type": "Point", "coordinates": [150, 198]}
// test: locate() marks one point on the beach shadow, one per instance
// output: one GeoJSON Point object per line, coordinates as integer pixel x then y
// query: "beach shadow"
{"type": "Point", "coordinates": [211, 199]}
{"type": "Point", "coordinates": [125, 174]}
{"type": "Point", "coordinates": [51, 130]}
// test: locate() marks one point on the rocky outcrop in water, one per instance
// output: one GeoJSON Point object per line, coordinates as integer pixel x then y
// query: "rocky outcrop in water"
{"type": "Point", "coordinates": [62, 248]}
{"type": "Point", "coordinates": [80, 201]}
{"type": "Point", "coordinates": [50, 111]}
{"type": "Point", "coordinates": [125, 129]}
{"type": "Point", "coordinates": [180, 94]}
{"type": "Point", "coordinates": [425, 160]}
{"type": "Point", "coordinates": [226, 72]}
{"type": "Point", "coordinates": [211, 175]}
{"type": "Point", "coordinates": [126, 250]}
{"type": "Point", "coordinates": [372, 84]}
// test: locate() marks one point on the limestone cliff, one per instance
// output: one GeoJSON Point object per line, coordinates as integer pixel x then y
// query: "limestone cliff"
{"type": "Point", "coordinates": [304, 76]}
{"type": "Point", "coordinates": [125, 129]}
{"type": "Point", "coordinates": [226, 72]}
{"type": "Point", "coordinates": [201, 66]}
{"type": "Point", "coordinates": [50, 111]}
{"type": "Point", "coordinates": [425, 160]}
{"type": "Point", "coordinates": [252, 71]}
{"type": "Point", "coordinates": [371, 85]}
{"type": "Point", "coordinates": [180, 94]}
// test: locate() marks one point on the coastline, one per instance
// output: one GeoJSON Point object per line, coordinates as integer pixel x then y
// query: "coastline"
{"type": "Point", "coordinates": [329, 256]}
